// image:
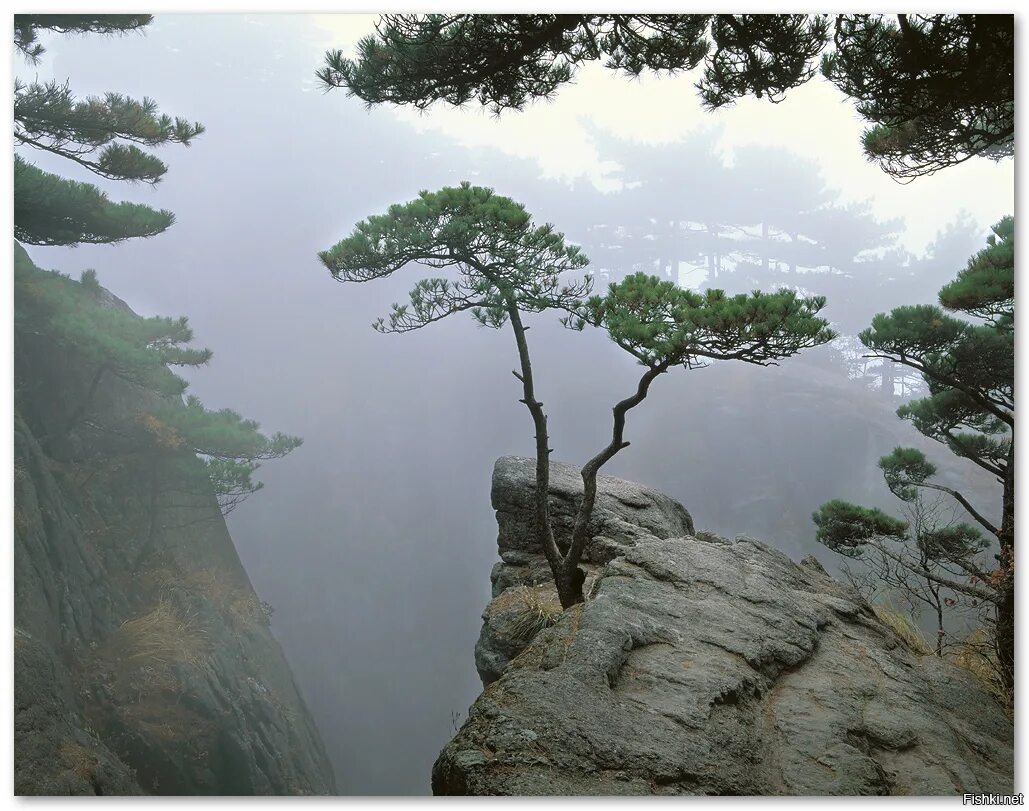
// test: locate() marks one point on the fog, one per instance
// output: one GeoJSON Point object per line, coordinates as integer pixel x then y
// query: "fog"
{"type": "Point", "coordinates": [374, 541]}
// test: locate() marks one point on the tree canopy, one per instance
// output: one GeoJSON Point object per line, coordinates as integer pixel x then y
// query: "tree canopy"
{"type": "Point", "coordinates": [51, 210]}
{"type": "Point", "coordinates": [507, 265]}
{"type": "Point", "coordinates": [662, 324]}
{"type": "Point", "coordinates": [106, 135]}
{"type": "Point", "coordinates": [969, 366]}
{"type": "Point", "coordinates": [934, 89]}
{"type": "Point", "coordinates": [27, 26]}
{"type": "Point", "coordinates": [76, 317]}
{"type": "Point", "coordinates": [499, 253]}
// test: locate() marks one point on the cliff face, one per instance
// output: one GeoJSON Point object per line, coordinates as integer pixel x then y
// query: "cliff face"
{"type": "Point", "coordinates": [704, 666]}
{"type": "Point", "coordinates": [144, 661]}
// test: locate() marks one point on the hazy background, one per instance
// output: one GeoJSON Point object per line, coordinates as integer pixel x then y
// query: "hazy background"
{"type": "Point", "coordinates": [374, 540]}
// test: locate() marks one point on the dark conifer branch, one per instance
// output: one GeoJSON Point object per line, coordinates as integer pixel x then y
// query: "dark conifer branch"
{"type": "Point", "coordinates": [936, 90]}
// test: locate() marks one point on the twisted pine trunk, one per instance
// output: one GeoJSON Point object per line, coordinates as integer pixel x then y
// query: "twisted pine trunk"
{"type": "Point", "coordinates": [568, 577]}
{"type": "Point", "coordinates": [580, 530]}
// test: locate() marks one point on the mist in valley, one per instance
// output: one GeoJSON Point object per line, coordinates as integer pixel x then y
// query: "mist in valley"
{"type": "Point", "coordinates": [375, 539]}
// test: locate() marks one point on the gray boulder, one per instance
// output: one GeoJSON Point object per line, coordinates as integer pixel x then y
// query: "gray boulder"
{"type": "Point", "coordinates": [624, 513]}
{"type": "Point", "coordinates": [705, 666]}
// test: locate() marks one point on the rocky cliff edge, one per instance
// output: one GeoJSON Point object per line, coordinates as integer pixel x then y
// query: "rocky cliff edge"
{"type": "Point", "coordinates": [700, 665]}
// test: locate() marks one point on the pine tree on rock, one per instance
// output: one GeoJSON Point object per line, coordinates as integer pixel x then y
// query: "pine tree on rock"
{"type": "Point", "coordinates": [507, 266]}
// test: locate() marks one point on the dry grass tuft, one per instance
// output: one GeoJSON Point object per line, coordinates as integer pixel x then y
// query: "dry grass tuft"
{"type": "Point", "coordinates": [78, 759]}
{"type": "Point", "coordinates": [538, 608]}
{"type": "Point", "coordinates": [160, 639]}
{"type": "Point", "coordinates": [243, 607]}
{"type": "Point", "coordinates": [904, 628]}
{"type": "Point", "coordinates": [246, 609]}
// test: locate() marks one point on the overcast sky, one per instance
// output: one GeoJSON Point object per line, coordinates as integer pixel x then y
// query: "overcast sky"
{"type": "Point", "coordinates": [815, 120]}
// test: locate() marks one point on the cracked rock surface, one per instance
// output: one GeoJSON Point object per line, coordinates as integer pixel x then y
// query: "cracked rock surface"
{"type": "Point", "coordinates": [707, 666]}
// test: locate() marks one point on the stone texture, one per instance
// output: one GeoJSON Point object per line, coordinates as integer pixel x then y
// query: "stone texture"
{"type": "Point", "coordinates": [144, 661]}
{"type": "Point", "coordinates": [706, 666]}
{"type": "Point", "coordinates": [624, 512]}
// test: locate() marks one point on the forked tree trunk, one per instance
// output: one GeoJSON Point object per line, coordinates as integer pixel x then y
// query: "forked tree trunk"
{"type": "Point", "coordinates": [568, 577]}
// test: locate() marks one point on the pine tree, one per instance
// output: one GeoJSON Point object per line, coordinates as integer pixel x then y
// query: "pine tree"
{"type": "Point", "coordinates": [968, 364]}
{"type": "Point", "coordinates": [229, 446]}
{"type": "Point", "coordinates": [507, 266]}
{"type": "Point", "coordinates": [104, 134]}
{"type": "Point", "coordinates": [931, 560]}
{"type": "Point", "coordinates": [58, 316]}
{"type": "Point", "coordinates": [936, 90]}
{"type": "Point", "coordinates": [50, 210]}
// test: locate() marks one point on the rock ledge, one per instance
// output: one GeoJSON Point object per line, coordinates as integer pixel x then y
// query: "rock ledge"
{"type": "Point", "coordinates": [707, 666]}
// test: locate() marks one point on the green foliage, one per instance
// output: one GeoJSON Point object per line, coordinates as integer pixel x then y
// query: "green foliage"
{"type": "Point", "coordinates": [74, 317]}
{"type": "Point", "coordinates": [956, 542]}
{"type": "Point", "coordinates": [954, 419]}
{"type": "Point", "coordinates": [904, 469]}
{"type": "Point", "coordinates": [845, 527]}
{"type": "Point", "coordinates": [50, 210]}
{"type": "Point", "coordinates": [916, 330]}
{"type": "Point", "coordinates": [986, 288]}
{"type": "Point", "coordinates": [661, 324]}
{"type": "Point", "coordinates": [224, 434]}
{"type": "Point", "coordinates": [490, 240]}
{"type": "Point", "coordinates": [89, 280]}
{"type": "Point", "coordinates": [80, 319]}
{"type": "Point", "coordinates": [26, 27]}
{"type": "Point", "coordinates": [950, 353]}
{"type": "Point", "coordinates": [229, 446]}
{"type": "Point", "coordinates": [104, 134]}
{"type": "Point", "coordinates": [506, 60]}
{"type": "Point", "coordinates": [763, 54]}
{"type": "Point", "coordinates": [969, 369]}
{"type": "Point", "coordinates": [100, 133]}
{"type": "Point", "coordinates": [935, 89]}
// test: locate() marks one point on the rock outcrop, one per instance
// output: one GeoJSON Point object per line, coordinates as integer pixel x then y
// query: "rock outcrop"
{"type": "Point", "coordinates": [701, 665]}
{"type": "Point", "coordinates": [144, 661]}
{"type": "Point", "coordinates": [624, 513]}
